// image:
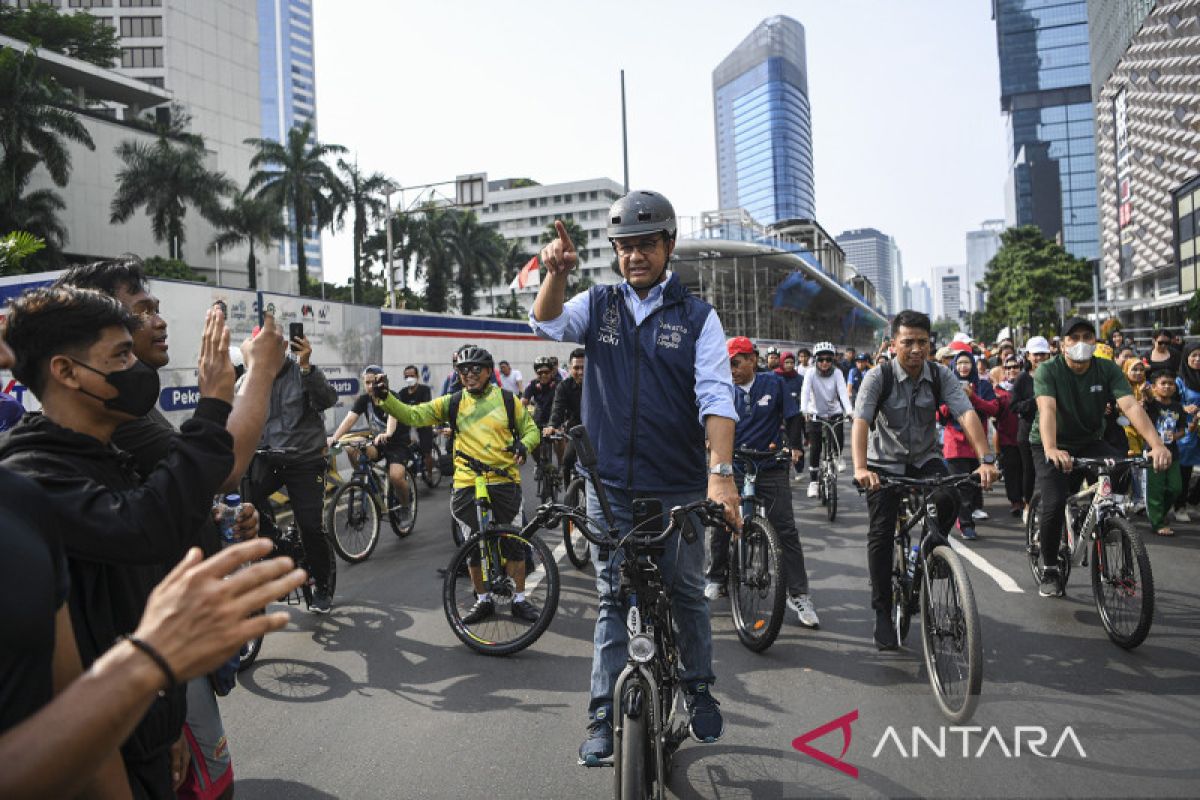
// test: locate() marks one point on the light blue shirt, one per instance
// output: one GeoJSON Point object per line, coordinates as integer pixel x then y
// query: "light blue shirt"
{"type": "Point", "coordinates": [714, 382]}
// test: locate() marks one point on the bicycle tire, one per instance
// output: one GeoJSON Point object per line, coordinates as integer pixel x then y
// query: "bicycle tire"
{"type": "Point", "coordinates": [496, 636]}
{"type": "Point", "coordinates": [634, 773]}
{"type": "Point", "coordinates": [432, 476]}
{"type": "Point", "coordinates": [403, 530]}
{"type": "Point", "coordinates": [831, 496]}
{"type": "Point", "coordinates": [579, 549]}
{"type": "Point", "coordinates": [1033, 546]}
{"type": "Point", "coordinates": [950, 613]}
{"type": "Point", "coordinates": [1129, 576]}
{"type": "Point", "coordinates": [757, 623]}
{"type": "Point", "coordinates": [250, 649]}
{"type": "Point", "coordinates": [901, 593]}
{"type": "Point", "coordinates": [354, 531]}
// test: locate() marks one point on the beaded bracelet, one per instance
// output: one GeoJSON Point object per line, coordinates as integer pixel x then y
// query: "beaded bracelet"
{"type": "Point", "coordinates": [156, 657]}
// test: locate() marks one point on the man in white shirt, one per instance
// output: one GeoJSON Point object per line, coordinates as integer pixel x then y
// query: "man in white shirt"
{"type": "Point", "coordinates": [510, 378]}
{"type": "Point", "coordinates": [823, 397]}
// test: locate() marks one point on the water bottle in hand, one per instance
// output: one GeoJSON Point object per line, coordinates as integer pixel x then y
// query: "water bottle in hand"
{"type": "Point", "coordinates": [231, 506]}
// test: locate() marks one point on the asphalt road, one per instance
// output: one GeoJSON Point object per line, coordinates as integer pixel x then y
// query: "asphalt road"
{"type": "Point", "coordinates": [380, 700]}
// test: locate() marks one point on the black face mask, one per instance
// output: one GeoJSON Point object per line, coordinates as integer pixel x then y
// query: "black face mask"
{"type": "Point", "coordinates": [137, 389]}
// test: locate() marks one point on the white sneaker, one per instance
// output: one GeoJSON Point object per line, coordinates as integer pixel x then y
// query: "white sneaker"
{"type": "Point", "coordinates": [1182, 516]}
{"type": "Point", "coordinates": [797, 477]}
{"type": "Point", "coordinates": [1025, 516]}
{"type": "Point", "coordinates": [803, 607]}
{"type": "Point", "coordinates": [713, 590]}
{"type": "Point", "coordinates": [979, 513]}
{"type": "Point", "coordinates": [813, 488]}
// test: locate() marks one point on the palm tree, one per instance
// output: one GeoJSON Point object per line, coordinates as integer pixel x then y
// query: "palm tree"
{"type": "Point", "coordinates": [432, 244]}
{"type": "Point", "coordinates": [479, 252]}
{"type": "Point", "coordinates": [294, 176]}
{"type": "Point", "coordinates": [248, 221]}
{"type": "Point", "coordinates": [363, 196]}
{"type": "Point", "coordinates": [165, 177]}
{"type": "Point", "coordinates": [36, 213]}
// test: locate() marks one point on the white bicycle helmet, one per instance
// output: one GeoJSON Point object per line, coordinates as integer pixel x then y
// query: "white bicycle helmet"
{"type": "Point", "coordinates": [824, 347]}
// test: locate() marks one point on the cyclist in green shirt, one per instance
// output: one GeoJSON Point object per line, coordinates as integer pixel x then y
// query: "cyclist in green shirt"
{"type": "Point", "coordinates": [485, 432]}
{"type": "Point", "coordinates": [1072, 391]}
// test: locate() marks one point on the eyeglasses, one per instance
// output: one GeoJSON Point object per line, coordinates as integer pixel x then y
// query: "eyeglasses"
{"type": "Point", "coordinates": [1012, 366]}
{"type": "Point", "coordinates": [470, 369]}
{"type": "Point", "coordinates": [824, 359]}
{"type": "Point", "coordinates": [644, 246]}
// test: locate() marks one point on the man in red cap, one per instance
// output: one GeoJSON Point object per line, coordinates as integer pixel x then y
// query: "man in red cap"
{"type": "Point", "coordinates": [765, 409]}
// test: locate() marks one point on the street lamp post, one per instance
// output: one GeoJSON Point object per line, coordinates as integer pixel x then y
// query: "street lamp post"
{"type": "Point", "coordinates": [391, 280]}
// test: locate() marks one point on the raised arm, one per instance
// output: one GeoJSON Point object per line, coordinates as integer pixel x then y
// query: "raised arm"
{"type": "Point", "coordinates": [559, 258]}
{"type": "Point", "coordinates": [263, 356]}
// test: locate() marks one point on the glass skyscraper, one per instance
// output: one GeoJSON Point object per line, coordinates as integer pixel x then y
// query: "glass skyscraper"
{"type": "Point", "coordinates": [287, 86]}
{"type": "Point", "coordinates": [1045, 93]}
{"type": "Point", "coordinates": [764, 125]}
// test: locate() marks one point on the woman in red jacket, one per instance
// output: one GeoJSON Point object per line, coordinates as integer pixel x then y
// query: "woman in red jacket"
{"type": "Point", "coordinates": [957, 450]}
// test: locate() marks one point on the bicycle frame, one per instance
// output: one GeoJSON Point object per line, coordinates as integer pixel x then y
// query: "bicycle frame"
{"type": "Point", "coordinates": [1101, 505]}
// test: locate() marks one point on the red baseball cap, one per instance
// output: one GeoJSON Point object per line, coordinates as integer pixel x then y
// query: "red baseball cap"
{"type": "Point", "coordinates": [739, 345]}
{"type": "Point", "coordinates": [962, 347]}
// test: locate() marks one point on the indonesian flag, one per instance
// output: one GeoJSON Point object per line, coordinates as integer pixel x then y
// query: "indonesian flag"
{"type": "Point", "coordinates": [528, 276]}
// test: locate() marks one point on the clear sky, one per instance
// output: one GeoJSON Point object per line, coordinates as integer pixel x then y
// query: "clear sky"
{"type": "Point", "coordinates": [907, 131]}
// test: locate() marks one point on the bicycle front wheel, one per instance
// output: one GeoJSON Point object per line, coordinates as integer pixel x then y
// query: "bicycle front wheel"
{"type": "Point", "coordinates": [352, 520]}
{"type": "Point", "coordinates": [579, 549]}
{"type": "Point", "coordinates": [950, 631]}
{"type": "Point", "coordinates": [402, 525]}
{"type": "Point", "coordinates": [901, 592]}
{"type": "Point", "coordinates": [494, 567]}
{"type": "Point", "coordinates": [634, 778]}
{"type": "Point", "coordinates": [1033, 544]}
{"type": "Point", "coordinates": [756, 584]}
{"type": "Point", "coordinates": [250, 649]}
{"type": "Point", "coordinates": [831, 499]}
{"type": "Point", "coordinates": [1123, 584]}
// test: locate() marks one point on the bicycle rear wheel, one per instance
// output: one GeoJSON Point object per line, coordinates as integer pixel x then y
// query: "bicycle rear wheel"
{"type": "Point", "coordinates": [433, 475]}
{"type": "Point", "coordinates": [635, 770]}
{"type": "Point", "coordinates": [352, 520]}
{"type": "Point", "coordinates": [1123, 586]}
{"type": "Point", "coordinates": [756, 586]}
{"type": "Point", "coordinates": [403, 527]}
{"type": "Point", "coordinates": [1033, 546]}
{"type": "Point", "coordinates": [579, 549]}
{"type": "Point", "coordinates": [250, 649]}
{"type": "Point", "coordinates": [495, 556]}
{"type": "Point", "coordinates": [901, 592]}
{"type": "Point", "coordinates": [950, 632]}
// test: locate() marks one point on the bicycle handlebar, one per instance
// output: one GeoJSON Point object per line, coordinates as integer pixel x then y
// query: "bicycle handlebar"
{"type": "Point", "coordinates": [931, 482]}
{"type": "Point", "coordinates": [747, 453]}
{"type": "Point", "coordinates": [1105, 463]}
{"type": "Point", "coordinates": [712, 514]}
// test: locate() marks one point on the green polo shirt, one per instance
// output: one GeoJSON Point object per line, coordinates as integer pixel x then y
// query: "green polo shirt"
{"type": "Point", "coordinates": [1081, 399]}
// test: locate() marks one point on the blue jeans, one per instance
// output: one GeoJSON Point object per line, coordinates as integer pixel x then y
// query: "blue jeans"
{"type": "Point", "coordinates": [682, 567]}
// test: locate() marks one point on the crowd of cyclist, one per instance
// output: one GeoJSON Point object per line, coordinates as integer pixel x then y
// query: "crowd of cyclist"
{"type": "Point", "coordinates": [111, 509]}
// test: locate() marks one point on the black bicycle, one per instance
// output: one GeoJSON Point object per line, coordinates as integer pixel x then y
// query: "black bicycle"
{"type": "Point", "coordinates": [1122, 582]}
{"type": "Point", "coordinates": [352, 513]}
{"type": "Point", "coordinates": [651, 722]}
{"type": "Point", "coordinates": [830, 465]}
{"type": "Point", "coordinates": [929, 576]}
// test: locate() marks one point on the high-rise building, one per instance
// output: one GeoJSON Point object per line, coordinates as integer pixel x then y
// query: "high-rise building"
{"type": "Point", "coordinates": [764, 125]}
{"type": "Point", "coordinates": [522, 210]}
{"type": "Point", "coordinates": [1045, 95]}
{"type": "Point", "coordinates": [876, 257]}
{"type": "Point", "coordinates": [287, 88]}
{"type": "Point", "coordinates": [949, 284]}
{"type": "Point", "coordinates": [982, 245]}
{"type": "Point", "coordinates": [918, 297]}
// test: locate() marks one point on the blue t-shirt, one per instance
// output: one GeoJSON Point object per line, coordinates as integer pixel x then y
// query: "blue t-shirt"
{"type": "Point", "coordinates": [762, 411]}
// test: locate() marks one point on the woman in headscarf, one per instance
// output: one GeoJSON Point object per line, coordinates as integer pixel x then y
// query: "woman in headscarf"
{"type": "Point", "coordinates": [1188, 381]}
{"type": "Point", "coordinates": [793, 382]}
{"type": "Point", "coordinates": [959, 454]}
{"type": "Point", "coordinates": [1003, 378]}
{"type": "Point", "coordinates": [1037, 351]}
{"type": "Point", "coordinates": [1135, 373]}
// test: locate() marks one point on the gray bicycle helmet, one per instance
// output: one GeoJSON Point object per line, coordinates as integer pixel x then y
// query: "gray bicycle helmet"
{"type": "Point", "coordinates": [475, 355]}
{"type": "Point", "coordinates": [641, 212]}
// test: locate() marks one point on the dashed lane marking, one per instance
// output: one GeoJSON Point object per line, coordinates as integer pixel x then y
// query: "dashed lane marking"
{"type": "Point", "coordinates": [986, 567]}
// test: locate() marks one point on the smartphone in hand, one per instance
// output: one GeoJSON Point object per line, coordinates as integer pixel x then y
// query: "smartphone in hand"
{"type": "Point", "coordinates": [295, 331]}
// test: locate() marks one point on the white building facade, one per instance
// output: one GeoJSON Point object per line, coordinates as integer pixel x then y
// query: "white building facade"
{"type": "Point", "coordinates": [949, 288]}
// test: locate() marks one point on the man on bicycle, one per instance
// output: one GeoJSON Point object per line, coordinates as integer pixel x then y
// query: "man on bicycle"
{"type": "Point", "coordinates": [765, 407]}
{"type": "Point", "coordinates": [896, 412]}
{"type": "Point", "coordinates": [389, 439]}
{"type": "Point", "coordinates": [539, 398]}
{"type": "Point", "coordinates": [823, 398]}
{"type": "Point", "coordinates": [1072, 391]}
{"type": "Point", "coordinates": [567, 411]}
{"type": "Point", "coordinates": [485, 433]}
{"type": "Point", "coordinates": [657, 385]}
{"type": "Point", "coordinates": [414, 393]}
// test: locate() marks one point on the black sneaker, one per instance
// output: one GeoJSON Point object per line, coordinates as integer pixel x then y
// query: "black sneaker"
{"type": "Point", "coordinates": [885, 632]}
{"type": "Point", "coordinates": [482, 609]}
{"type": "Point", "coordinates": [1049, 586]}
{"type": "Point", "coordinates": [403, 515]}
{"type": "Point", "coordinates": [597, 748]}
{"type": "Point", "coordinates": [322, 603]}
{"type": "Point", "coordinates": [525, 611]}
{"type": "Point", "coordinates": [705, 723]}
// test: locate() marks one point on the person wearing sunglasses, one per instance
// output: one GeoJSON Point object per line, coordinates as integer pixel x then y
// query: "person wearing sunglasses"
{"type": "Point", "coordinates": [539, 399]}
{"type": "Point", "coordinates": [824, 396]}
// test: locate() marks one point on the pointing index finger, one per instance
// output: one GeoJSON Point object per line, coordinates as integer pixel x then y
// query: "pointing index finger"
{"type": "Point", "coordinates": [568, 245]}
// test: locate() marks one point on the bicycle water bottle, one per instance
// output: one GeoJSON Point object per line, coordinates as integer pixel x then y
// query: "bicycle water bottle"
{"type": "Point", "coordinates": [913, 554]}
{"type": "Point", "coordinates": [231, 506]}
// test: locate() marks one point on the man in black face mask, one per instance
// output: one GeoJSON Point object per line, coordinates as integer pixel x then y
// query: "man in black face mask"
{"type": "Point", "coordinates": [74, 350]}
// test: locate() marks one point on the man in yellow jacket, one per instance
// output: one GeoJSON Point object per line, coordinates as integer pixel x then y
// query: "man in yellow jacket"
{"type": "Point", "coordinates": [491, 428]}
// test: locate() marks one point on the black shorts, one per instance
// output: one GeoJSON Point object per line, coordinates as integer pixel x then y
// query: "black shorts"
{"type": "Point", "coordinates": [506, 507]}
{"type": "Point", "coordinates": [425, 440]}
{"type": "Point", "coordinates": [395, 453]}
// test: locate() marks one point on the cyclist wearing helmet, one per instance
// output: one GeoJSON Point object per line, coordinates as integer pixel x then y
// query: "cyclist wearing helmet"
{"type": "Point", "coordinates": [453, 382]}
{"type": "Point", "coordinates": [657, 384]}
{"type": "Point", "coordinates": [772, 358]}
{"type": "Point", "coordinates": [822, 397]}
{"type": "Point", "coordinates": [484, 433]}
{"type": "Point", "coordinates": [539, 398]}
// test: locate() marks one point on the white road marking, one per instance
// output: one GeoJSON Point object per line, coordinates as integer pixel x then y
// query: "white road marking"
{"type": "Point", "coordinates": [983, 565]}
{"type": "Point", "coordinates": [558, 554]}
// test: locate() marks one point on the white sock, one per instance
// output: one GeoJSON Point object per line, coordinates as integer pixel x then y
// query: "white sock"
{"type": "Point", "coordinates": [519, 597]}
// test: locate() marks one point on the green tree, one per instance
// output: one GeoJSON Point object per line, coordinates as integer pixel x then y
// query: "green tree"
{"type": "Point", "coordinates": [364, 198]}
{"type": "Point", "coordinates": [15, 248]}
{"type": "Point", "coordinates": [294, 176]}
{"type": "Point", "coordinates": [1025, 276]}
{"type": "Point", "coordinates": [479, 252]}
{"type": "Point", "coordinates": [173, 268]}
{"type": "Point", "coordinates": [945, 329]}
{"type": "Point", "coordinates": [512, 308]}
{"type": "Point", "coordinates": [78, 35]}
{"type": "Point", "coordinates": [432, 244]}
{"type": "Point", "coordinates": [165, 177]}
{"type": "Point", "coordinates": [251, 222]}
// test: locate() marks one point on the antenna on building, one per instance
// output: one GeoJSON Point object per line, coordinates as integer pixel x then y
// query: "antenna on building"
{"type": "Point", "coordinates": [624, 133]}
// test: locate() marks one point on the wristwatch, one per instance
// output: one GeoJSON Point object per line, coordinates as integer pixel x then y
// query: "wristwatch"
{"type": "Point", "coordinates": [989, 459]}
{"type": "Point", "coordinates": [724, 470]}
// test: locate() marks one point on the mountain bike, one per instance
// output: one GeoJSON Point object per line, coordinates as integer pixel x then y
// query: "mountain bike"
{"type": "Point", "coordinates": [548, 474]}
{"type": "Point", "coordinates": [502, 561]}
{"type": "Point", "coordinates": [1122, 582]}
{"type": "Point", "coordinates": [579, 549]}
{"type": "Point", "coordinates": [931, 577]}
{"type": "Point", "coordinates": [755, 577]}
{"type": "Point", "coordinates": [830, 466]}
{"type": "Point", "coordinates": [651, 722]}
{"type": "Point", "coordinates": [353, 512]}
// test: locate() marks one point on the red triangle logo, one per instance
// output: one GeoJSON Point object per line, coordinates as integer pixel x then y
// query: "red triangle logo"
{"type": "Point", "coordinates": [843, 723]}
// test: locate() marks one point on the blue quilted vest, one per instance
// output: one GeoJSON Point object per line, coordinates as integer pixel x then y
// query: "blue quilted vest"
{"type": "Point", "coordinates": [639, 394]}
